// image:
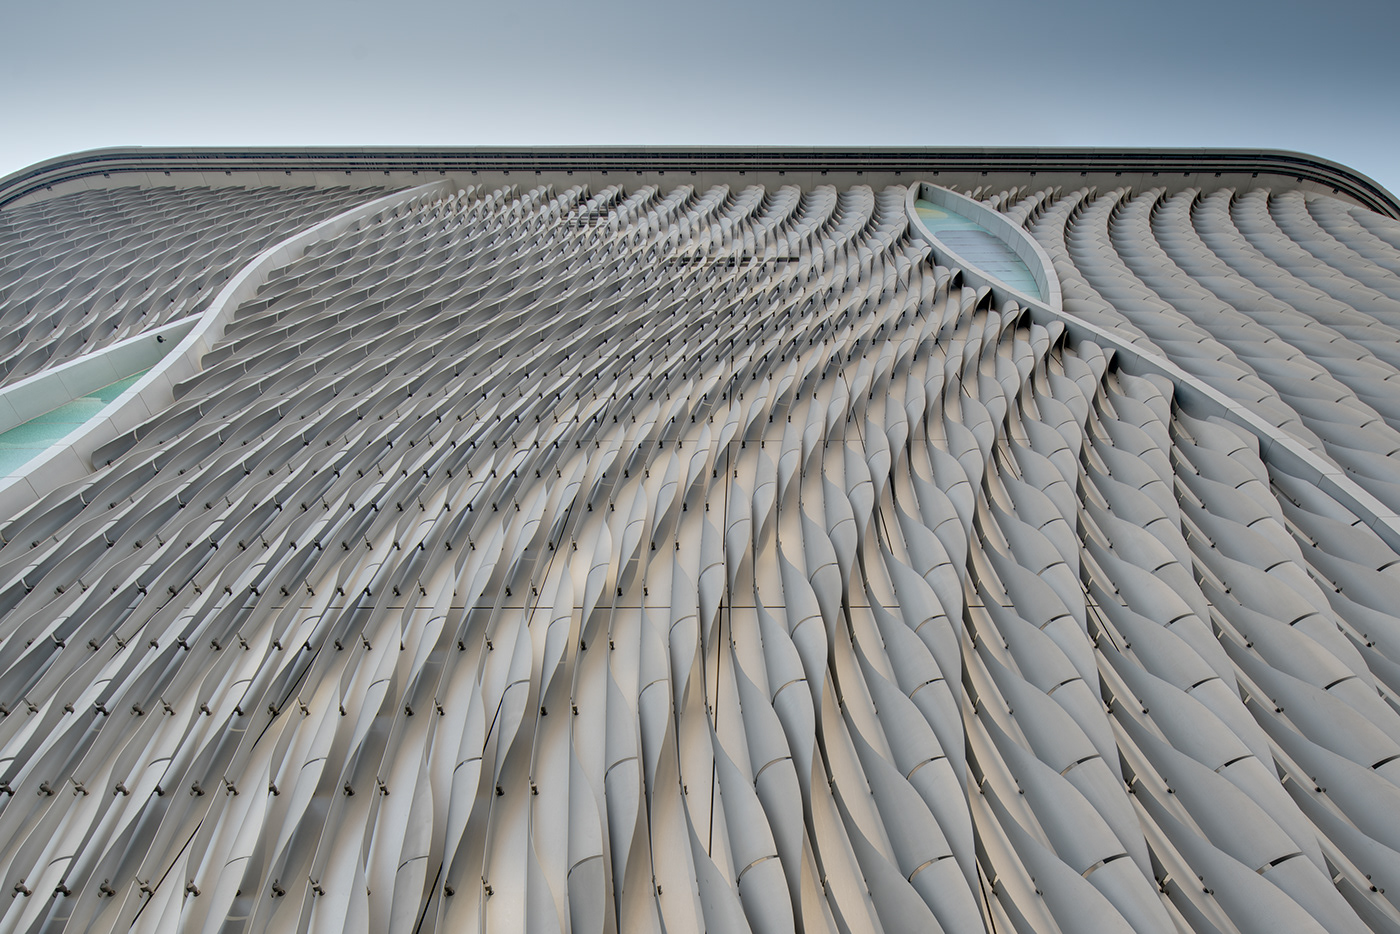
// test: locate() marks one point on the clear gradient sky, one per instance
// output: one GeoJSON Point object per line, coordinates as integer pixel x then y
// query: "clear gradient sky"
{"type": "Point", "coordinates": [1321, 78]}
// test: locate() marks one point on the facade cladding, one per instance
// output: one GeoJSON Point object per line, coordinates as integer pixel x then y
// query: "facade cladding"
{"type": "Point", "coordinates": [753, 541]}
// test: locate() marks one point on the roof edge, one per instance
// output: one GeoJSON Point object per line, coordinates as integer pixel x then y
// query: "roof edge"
{"type": "Point", "coordinates": [1300, 167]}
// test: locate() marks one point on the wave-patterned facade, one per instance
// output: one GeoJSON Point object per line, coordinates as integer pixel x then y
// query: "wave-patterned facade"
{"type": "Point", "coordinates": [81, 272]}
{"type": "Point", "coordinates": [462, 590]}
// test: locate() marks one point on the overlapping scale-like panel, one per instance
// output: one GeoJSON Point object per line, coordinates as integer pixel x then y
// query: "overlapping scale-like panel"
{"type": "Point", "coordinates": [1258, 298]}
{"type": "Point", "coordinates": [82, 271]}
{"type": "Point", "coordinates": [712, 560]}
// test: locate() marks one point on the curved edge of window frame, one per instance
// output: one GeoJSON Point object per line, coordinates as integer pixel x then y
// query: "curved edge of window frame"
{"type": "Point", "coordinates": [970, 165]}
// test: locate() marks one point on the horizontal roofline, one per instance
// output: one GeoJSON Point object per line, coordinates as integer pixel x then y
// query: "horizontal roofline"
{"type": "Point", "coordinates": [914, 160]}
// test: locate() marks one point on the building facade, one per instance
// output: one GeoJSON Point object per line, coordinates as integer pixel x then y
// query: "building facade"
{"type": "Point", "coordinates": [390, 541]}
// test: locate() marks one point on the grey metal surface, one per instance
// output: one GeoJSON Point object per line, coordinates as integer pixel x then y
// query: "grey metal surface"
{"type": "Point", "coordinates": [992, 167]}
{"type": "Point", "coordinates": [459, 588]}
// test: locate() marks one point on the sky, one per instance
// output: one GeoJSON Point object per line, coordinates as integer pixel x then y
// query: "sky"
{"type": "Point", "coordinates": [1320, 78]}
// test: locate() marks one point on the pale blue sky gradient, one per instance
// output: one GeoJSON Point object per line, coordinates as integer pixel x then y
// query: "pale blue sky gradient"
{"type": "Point", "coordinates": [1319, 78]}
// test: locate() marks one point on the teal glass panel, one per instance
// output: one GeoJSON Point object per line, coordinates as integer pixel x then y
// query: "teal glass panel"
{"type": "Point", "coordinates": [26, 441]}
{"type": "Point", "coordinates": [978, 246]}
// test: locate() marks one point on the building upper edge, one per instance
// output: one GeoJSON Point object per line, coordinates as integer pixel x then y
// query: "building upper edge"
{"type": "Point", "coordinates": [964, 166]}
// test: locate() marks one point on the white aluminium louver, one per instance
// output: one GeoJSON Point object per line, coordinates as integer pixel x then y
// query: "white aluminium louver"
{"type": "Point", "coordinates": [724, 559]}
